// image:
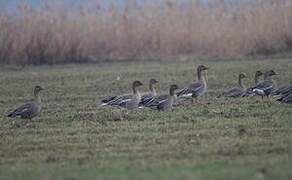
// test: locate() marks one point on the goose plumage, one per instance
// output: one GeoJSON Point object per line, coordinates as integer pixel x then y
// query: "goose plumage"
{"type": "Point", "coordinates": [236, 92]}
{"type": "Point", "coordinates": [165, 101]}
{"type": "Point", "coordinates": [257, 76]}
{"type": "Point", "coordinates": [195, 89]}
{"type": "Point", "coordinates": [127, 101]}
{"type": "Point", "coordinates": [147, 97]}
{"type": "Point", "coordinates": [265, 87]}
{"type": "Point", "coordinates": [285, 97]}
{"type": "Point", "coordinates": [30, 109]}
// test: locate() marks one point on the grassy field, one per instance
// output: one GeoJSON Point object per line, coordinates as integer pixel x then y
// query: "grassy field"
{"type": "Point", "coordinates": [74, 138]}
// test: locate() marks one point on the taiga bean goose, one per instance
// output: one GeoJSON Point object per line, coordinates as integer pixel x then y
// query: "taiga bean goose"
{"type": "Point", "coordinates": [265, 87]}
{"type": "Point", "coordinates": [236, 91]}
{"type": "Point", "coordinates": [128, 101]}
{"type": "Point", "coordinates": [30, 109]}
{"type": "Point", "coordinates": [195, 89]}
{"type": "Point", "coordinates": [165, 101]}
{"type": "Point", "coordinates": [257, 76]}
{"type": "Point", "coordinates": [147, 97]}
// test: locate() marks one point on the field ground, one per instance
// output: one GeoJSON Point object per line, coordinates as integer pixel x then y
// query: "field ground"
{"type": "Point", "coordinates": [74, 138]}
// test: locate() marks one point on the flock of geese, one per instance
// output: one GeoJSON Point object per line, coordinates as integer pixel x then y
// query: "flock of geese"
{"type": "Point", "coordinates": [163, 102]}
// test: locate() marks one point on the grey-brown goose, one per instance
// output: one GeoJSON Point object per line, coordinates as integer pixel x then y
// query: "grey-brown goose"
{"type": "Point", "coordinates": [265, 87]}
{"type": "Point", "coordinates": [147, 97]}
{"type": "Point", "coordinates": [128, 101]}
{"type": "Point", "coordinates": [236, 91]}
{"type": "Point", "coordinates": [257, 76]}
{"type": "Point", "coordinates": [165, 101]}
{"type": "Point", "coordinates": [30, 109]}
{"type": "Point", "coordinates": [195, 89]}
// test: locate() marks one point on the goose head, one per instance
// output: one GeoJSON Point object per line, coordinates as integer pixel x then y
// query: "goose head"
{"type": "Point", "coordinates": [172, 88]}
{"type": "Point", "coordinates": [258, 73]}
{"type": "Point", "coordinates": [202, 68]}
{"type": "Point", "coordinates": [242, 76]}
{"type": "Point", "coordinates": [137, 84]}
{"type": "Point", "coordinates": [153, 81]}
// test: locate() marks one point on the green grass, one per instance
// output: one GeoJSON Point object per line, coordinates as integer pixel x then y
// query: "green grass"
{"type": "Point", "coordinates": [74, 138]}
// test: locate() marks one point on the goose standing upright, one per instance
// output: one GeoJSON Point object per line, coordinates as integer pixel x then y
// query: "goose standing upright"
{"type": "Point", "coordinates": [195, 89]}
{"type": "Point", "coordinates": [265, 87]}
{"type": "Point", "coordinates": [147, 97]}
{"type": "Point", "coordinates": [127, 101]}
{"type": "Point", "coordinates": [30, 109]}
{"type": "Point", "coordinates": [236, 91]}
{"type": "Point", "coordinates": [165, 101]}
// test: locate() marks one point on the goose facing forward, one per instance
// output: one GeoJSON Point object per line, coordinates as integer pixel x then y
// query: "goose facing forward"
{"type": "Point", "coordinates": [128, 101]}
{"type": "Point", "coordinates": [165, 101]}
{"type": "Point", "coordinates": [236, 91]}
{"type": "Point", "coordinates": [265, 87]}
{"type": "Point", "coordinates": [195, 89]}
{"type": "Point", "coordinates": [30, 109]}
{"type": "Point", "coordinates": [147, 97]}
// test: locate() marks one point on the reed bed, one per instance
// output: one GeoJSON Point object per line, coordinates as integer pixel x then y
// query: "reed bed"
{"type": "Point", "coordinates": [53, 34]}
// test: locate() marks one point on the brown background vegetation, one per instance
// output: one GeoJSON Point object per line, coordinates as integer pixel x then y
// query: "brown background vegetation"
{"type": "Point", "coordinates": [53, 34]}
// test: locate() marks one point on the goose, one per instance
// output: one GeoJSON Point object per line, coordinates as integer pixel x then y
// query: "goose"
{"type": "Point", "coordinates": [164, 102]}
{"type": "Point", "coordinates": [195, 89]}
{"type": "Point", "coordinates": [257, 76]}
{"type": "Point", "coordinates": [127, 101]}
{"type": "Point", "coordinates": [265, 87]}
{"type": "Point", "coordinates": [147, 97]}
{"type": "Point", "coordinates": [30, 109]}
{"type": "Point", "coordinates": [236, 91]}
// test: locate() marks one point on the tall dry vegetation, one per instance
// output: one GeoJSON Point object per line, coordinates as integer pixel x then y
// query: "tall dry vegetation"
{"type": "Point", "coordinates": [51, 34]}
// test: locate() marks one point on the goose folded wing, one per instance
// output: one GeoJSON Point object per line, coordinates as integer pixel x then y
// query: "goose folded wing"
{"type": "Point", "coordinates": [146, 98]}
{"type": "Point", "coordinates": [119, 100]}
{"type": "Point", "coordinates": [23, 110]}
{"type": "Point", "coordinates": [288, 99]}
{"type": "Point", "coordinates": [190, 90]}
{"type": "Point", "coordinates": [234, 92]}
{"type": "Point", "coordinates": [263, 86]}
{"type": "Point", "coordinates": [108, 99]}
{"type": "Point", "coordinates": [157, 100]}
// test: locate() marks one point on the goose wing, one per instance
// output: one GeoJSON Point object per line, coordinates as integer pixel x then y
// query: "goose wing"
{"type": "Point", "coordinates": [25, 111]}
{"type": "Point", "coordinates": [146, 98]}
{"type": "Point", "coordinates": [264, 86]}
{"type": "Point", "coordinates": [108, 99]}
{"type": "Point", "coordinates": [287, 99]}
{"type": "Point", "coordinates": [120, 100]}
{"type": "Point", "coordinates": [235, 92]}
{"type": "Point", "coordinates": [157, 100]}
{"type": "Point", "coordinates": [282, 91]}
{"type": "Point", "coordinates": [190, 90]}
